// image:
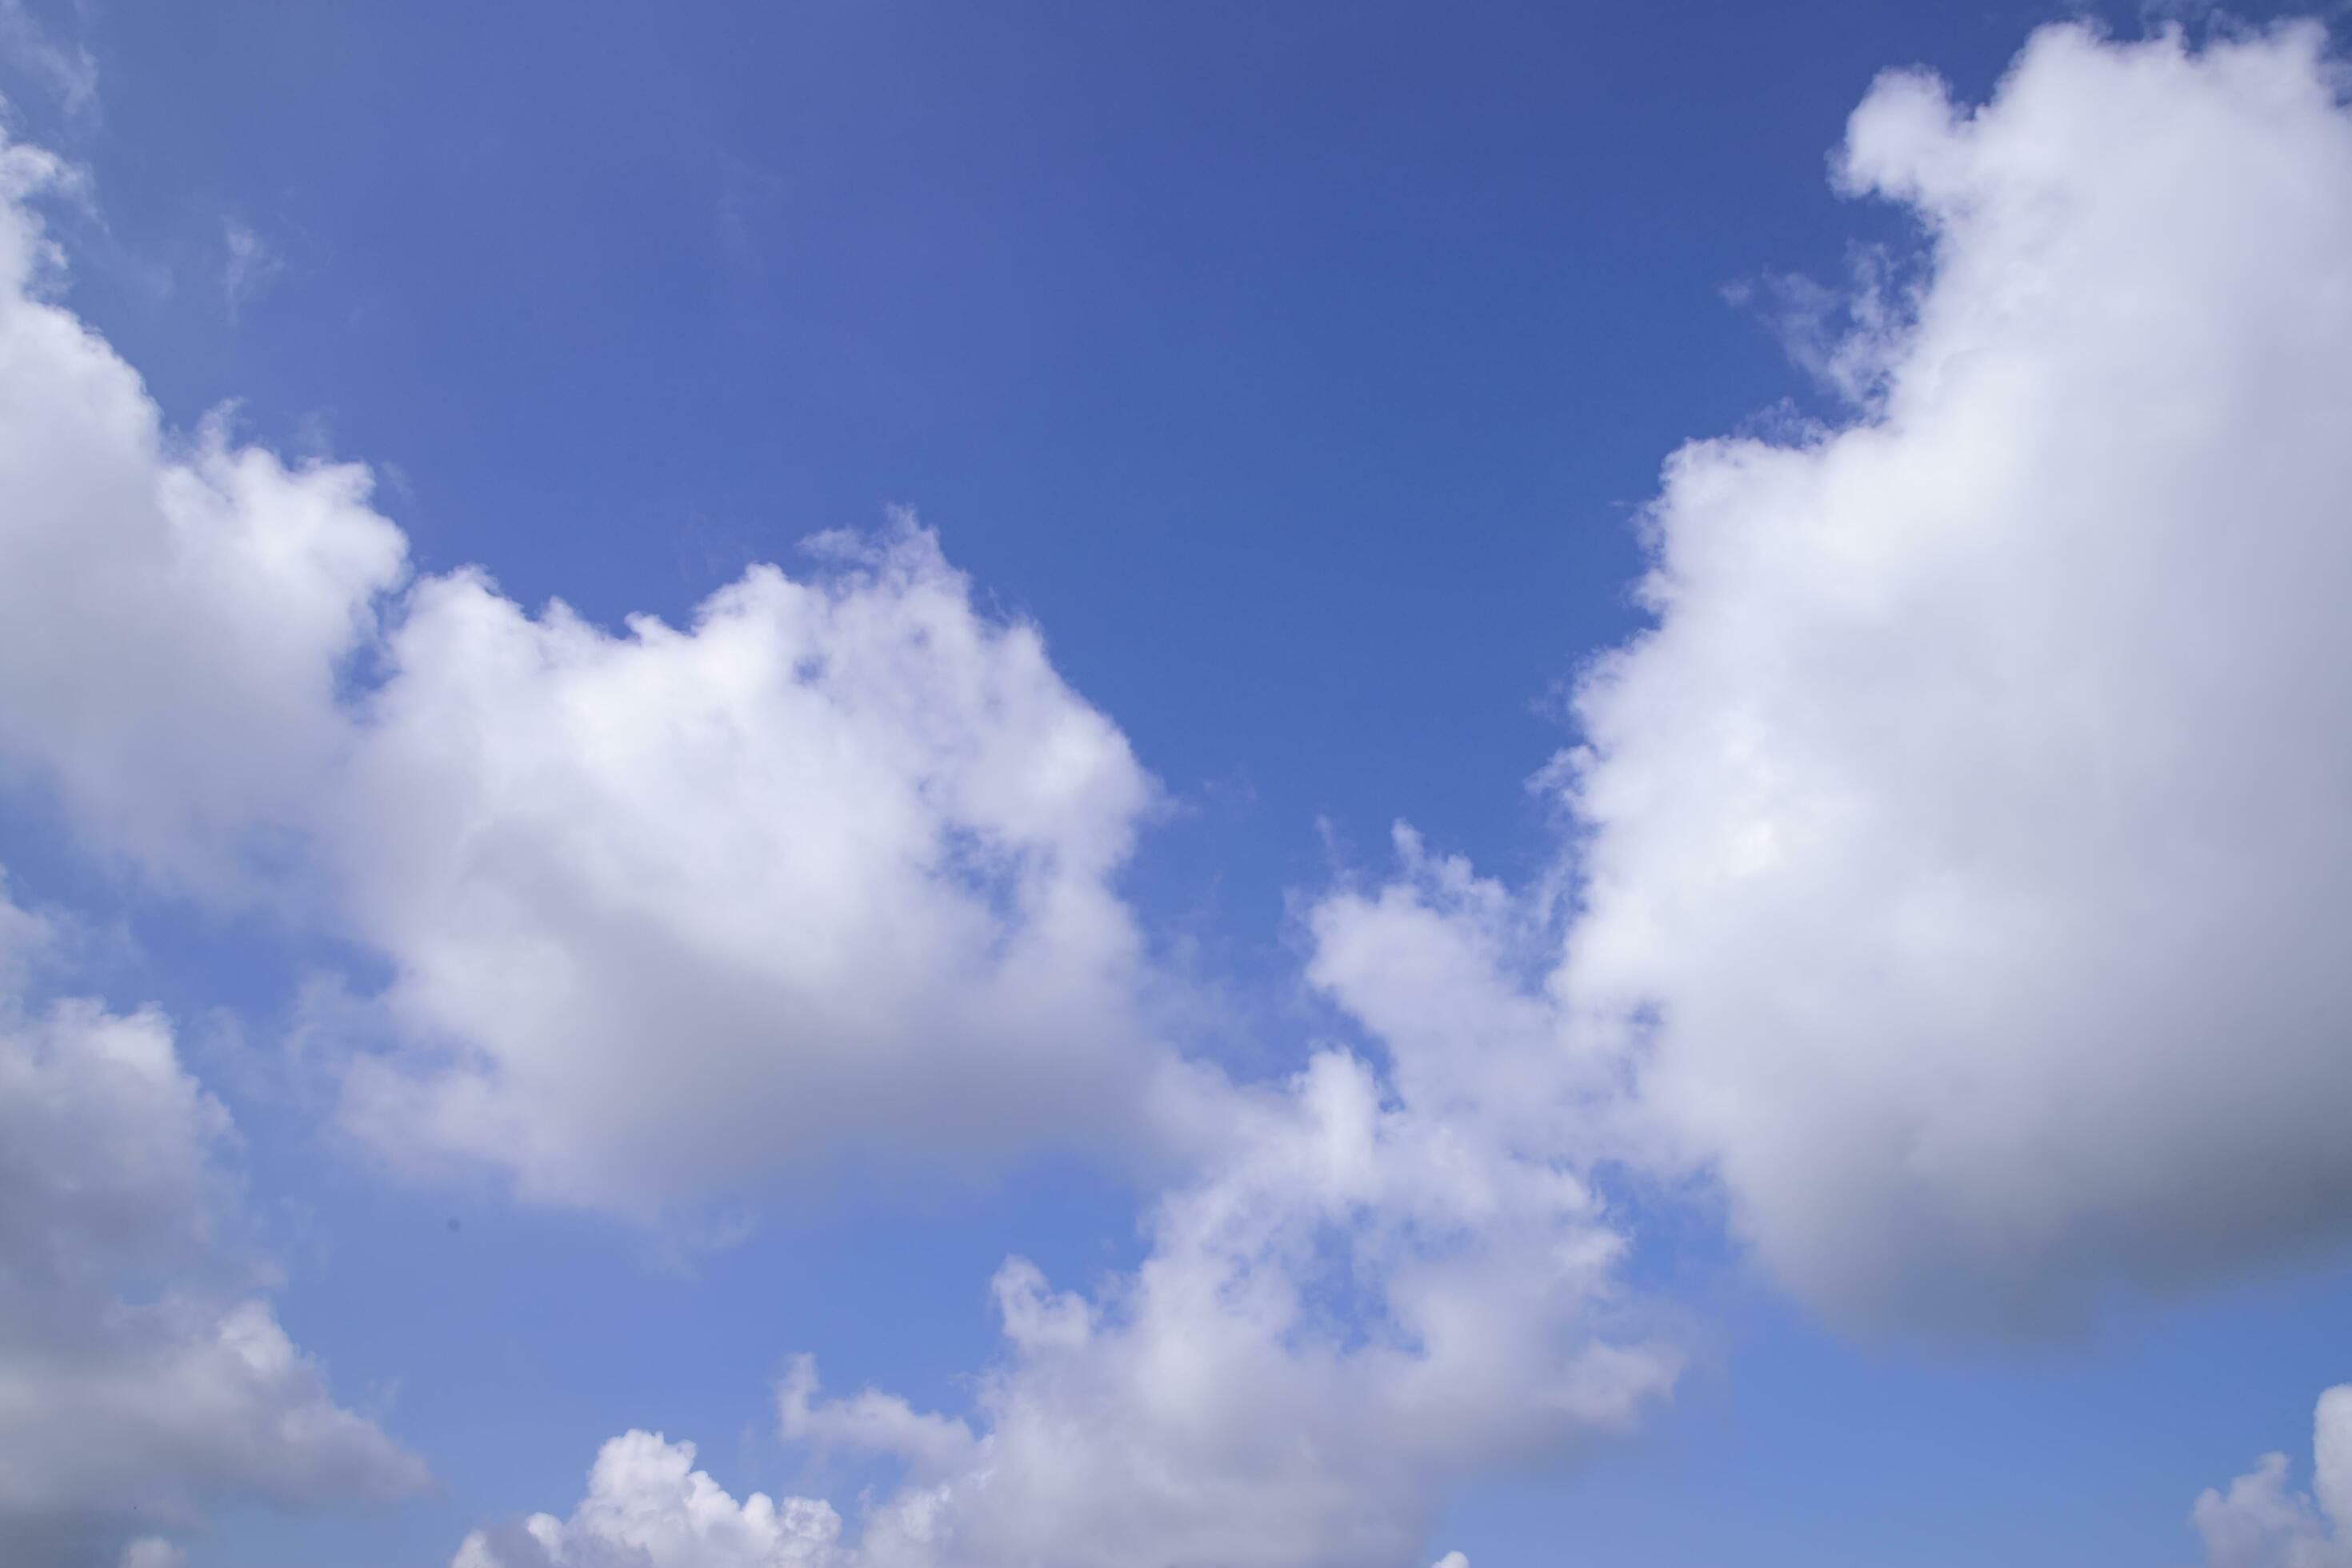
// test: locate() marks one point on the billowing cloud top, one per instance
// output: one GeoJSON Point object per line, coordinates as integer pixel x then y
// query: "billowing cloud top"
{"type": "Point", "coordinates": [831, 870]}
{"type": "Point", "coordinates": [1964, 862]}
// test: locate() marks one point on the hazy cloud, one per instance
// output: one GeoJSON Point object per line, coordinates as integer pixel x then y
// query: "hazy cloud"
{"type": "Point", "coordinates": [141, 1372]}
{"type": "Point", "coordinates": [68, 71]}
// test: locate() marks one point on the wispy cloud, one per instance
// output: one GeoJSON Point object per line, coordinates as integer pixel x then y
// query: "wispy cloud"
{"type": "Point", "coordinates": [68, 71]}
{"type": "Point", "coordinates": [253, 263]}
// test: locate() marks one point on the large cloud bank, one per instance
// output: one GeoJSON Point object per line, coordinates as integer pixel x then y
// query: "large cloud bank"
{"type": "Point", "coordinates": [1965, 866]}
{"type": "Point", "coordinates": [142, 1373]}
{"type": "Point", "coordinates": [829, 868]}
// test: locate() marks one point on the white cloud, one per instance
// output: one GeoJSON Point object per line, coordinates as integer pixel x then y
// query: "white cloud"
{"type": "Point", "coordinates": [1964, 858]}
{"type": "Point", "coordinates": [1379, 1284]}
{"type": "Point", "coordinates": [648, 1507]}
{"type": "Point", "coordinates": [2260, 1522]}
{"type": "Point", "coordinates": [173, 613]}
{"type": "Point", "coordinates": [831, 867]}
{"type": "Point", "coordinates": [139, 1374]}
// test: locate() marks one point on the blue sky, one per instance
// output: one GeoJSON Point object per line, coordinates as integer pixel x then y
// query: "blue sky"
{"type": "Point", "coordinates": [1303, 374]}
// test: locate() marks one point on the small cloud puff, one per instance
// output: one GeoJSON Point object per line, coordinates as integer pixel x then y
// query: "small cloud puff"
{"type": "Point", "coordinates": [2259, 1522]}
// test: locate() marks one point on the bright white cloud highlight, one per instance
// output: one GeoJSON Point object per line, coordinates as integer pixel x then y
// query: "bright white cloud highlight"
{"type": "Point", "coordinates": [648, 1507]}
{"type": "Point", "coordinates": [829, 868]}
{"type": "Point", "coordinates": [1965, 860]}
{"type": "Point", "coordinates": [140, 1376]}
{"type": "Point", "coordinates": [2261, 1522]}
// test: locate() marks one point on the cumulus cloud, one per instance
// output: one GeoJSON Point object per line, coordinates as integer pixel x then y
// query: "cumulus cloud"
{"type": "Point", "coordinates": [832, 866]}
{"type": "Point", "coordinates": [174, 612]}
{"type": "Point", "coordinates": [140, 1375]}
{"type": "Point", "coordinates": [2261, 1523]}
{"type": "Point", "coordinates": [1964, 865]}
{"type": "Point", "coordinates": [648, 1507]}
{"type": "Point", "coordinates": [1384, 1280]}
